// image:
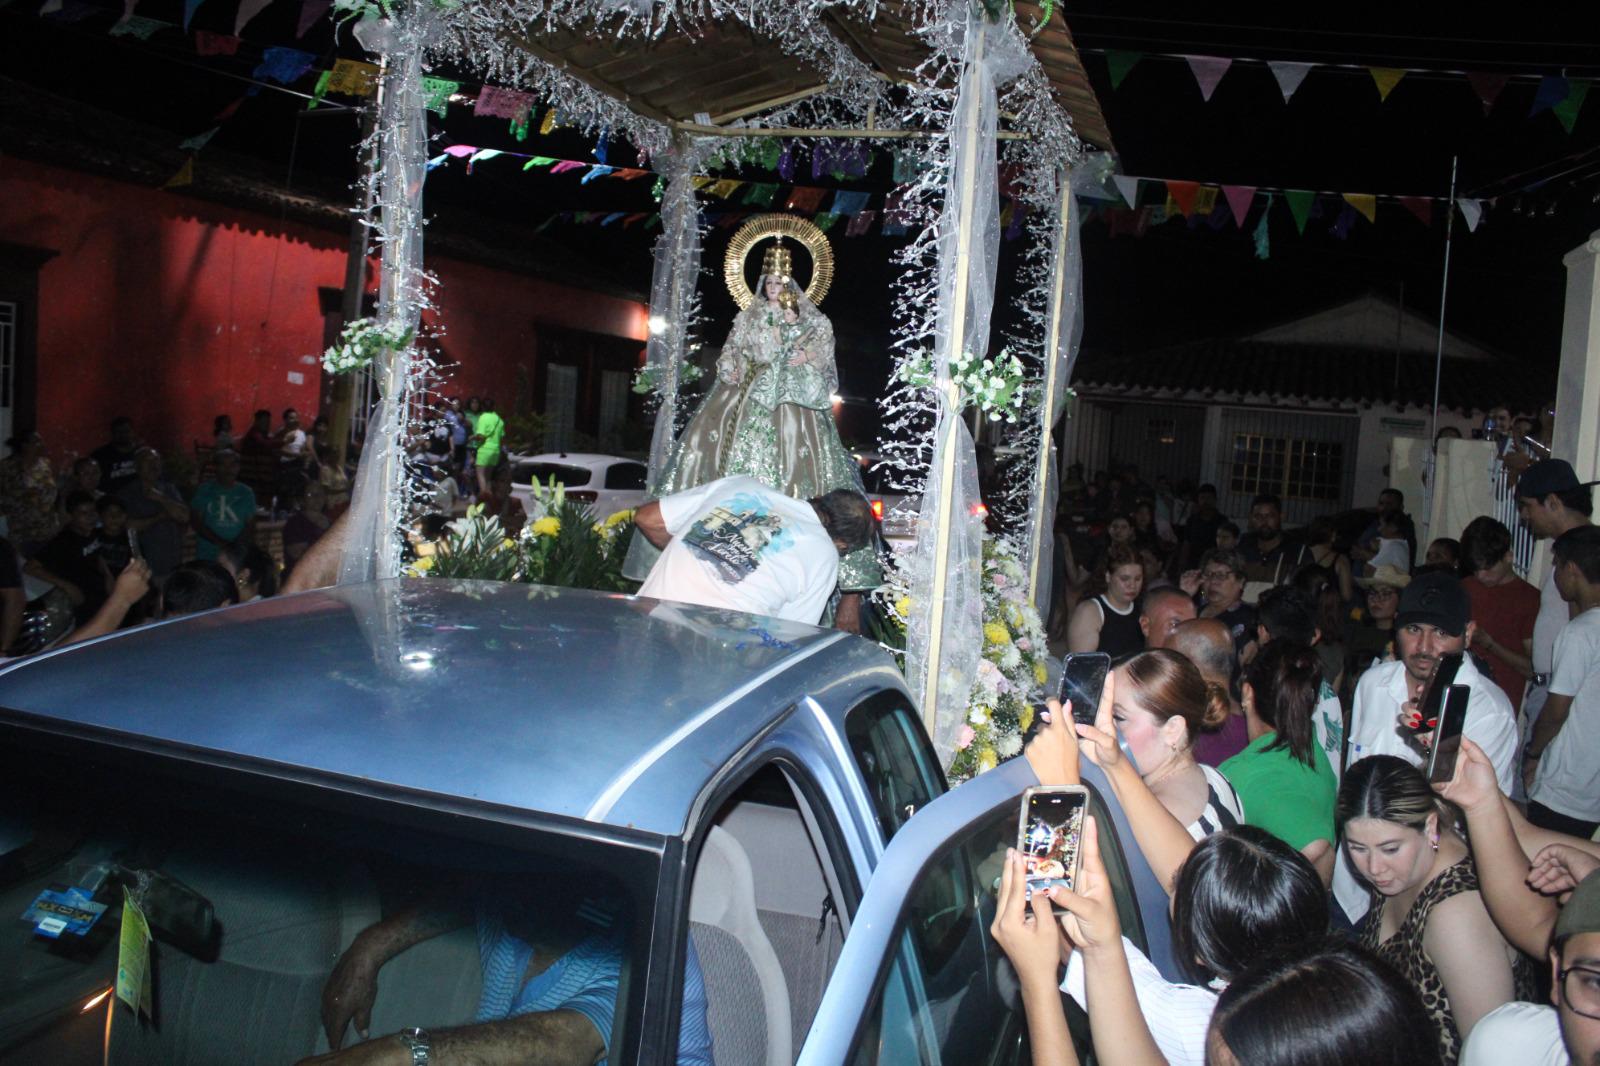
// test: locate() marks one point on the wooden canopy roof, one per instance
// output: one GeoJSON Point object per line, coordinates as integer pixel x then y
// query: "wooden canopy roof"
{"type": "Point", "coordinates": [726, 71]}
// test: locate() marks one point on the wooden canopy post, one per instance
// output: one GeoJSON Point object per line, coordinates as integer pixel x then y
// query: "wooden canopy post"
{"type": "Point", "coordinates": [1041, 537]}
{"type": "Point", "coordinates": [966, 182]}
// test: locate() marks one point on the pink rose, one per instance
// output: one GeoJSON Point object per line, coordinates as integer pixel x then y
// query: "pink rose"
{"type": "Point", "coordinates": [965, 738]}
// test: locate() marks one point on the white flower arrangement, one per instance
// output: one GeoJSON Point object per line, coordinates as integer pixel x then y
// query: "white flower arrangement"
{"type": "Point", "coordinates": [649, 378]}
{"type": "Point", "coordinates": [1011, 673]}
{"type": "Point", "coordinates": [994, 385]}
{"type": "Point", "coordinates": [360, 344]}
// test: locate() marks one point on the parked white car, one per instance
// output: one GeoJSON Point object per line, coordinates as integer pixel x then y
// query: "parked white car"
{"type": "Point", "coordinates": [607, 483]}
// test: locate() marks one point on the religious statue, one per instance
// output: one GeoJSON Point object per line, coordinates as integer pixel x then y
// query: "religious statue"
{"type": "Point", "coordinates": [769, 414]}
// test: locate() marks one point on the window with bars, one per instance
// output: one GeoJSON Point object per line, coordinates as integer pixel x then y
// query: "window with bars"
{"type": "Point", "coordinates": [1288, 466]}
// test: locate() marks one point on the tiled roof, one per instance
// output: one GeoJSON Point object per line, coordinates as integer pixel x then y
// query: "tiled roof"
{"type": "Point", "coordinates": [1231, 370]}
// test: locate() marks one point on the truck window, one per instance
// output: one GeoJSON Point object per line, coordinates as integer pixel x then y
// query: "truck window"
{"type": "Point", "coordinates": [895, 758]}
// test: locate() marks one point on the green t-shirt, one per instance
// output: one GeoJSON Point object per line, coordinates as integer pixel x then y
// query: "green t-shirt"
{"type": "Point", "coordinates": [1281, 794]}
{"type": "Point", "coordinates": [491, 427]}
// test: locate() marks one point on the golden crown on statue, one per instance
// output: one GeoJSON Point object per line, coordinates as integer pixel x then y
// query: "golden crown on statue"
{"type": "Point", "coordinates": [777, 262]}
{"type": "Point", "coordinates": [777, 258]}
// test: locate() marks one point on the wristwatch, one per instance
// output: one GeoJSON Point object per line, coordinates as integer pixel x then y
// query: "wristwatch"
{"type": "Point", "coordinates": [417, 1040]}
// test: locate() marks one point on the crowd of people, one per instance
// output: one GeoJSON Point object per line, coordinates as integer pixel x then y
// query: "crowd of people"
{"type": "Point", "coordinates": [1261, 729]}
{"type": "Point", "coordinates": [1262, 733]}
{"type": "Point", "coordinates": [73, 528]}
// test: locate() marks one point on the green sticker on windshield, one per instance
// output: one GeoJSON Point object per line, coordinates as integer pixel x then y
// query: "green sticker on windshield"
{"type": "Point", "coordinates": [133, 958]}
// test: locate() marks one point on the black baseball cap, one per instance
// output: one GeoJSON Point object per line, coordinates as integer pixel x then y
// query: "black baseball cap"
{"type": "Point", "coordinates": [1548, 476]}
{"type": "Point", "coordinates": [1435, 599]}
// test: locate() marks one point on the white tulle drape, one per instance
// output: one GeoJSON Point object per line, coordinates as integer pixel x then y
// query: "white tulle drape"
{"type": "Point", "coordinates": [944, 634]}
{"type": "Point", "coordinates": [1065, 328]}
{"type": "Point", "coordinates": [673, 305]}
{"type": "Point", "coordinates": [380, 494]}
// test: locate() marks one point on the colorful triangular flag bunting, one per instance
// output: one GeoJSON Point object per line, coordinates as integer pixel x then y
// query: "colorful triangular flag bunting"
{"type": "Point", "coordinates": [1183, 194]}
{"type": "Point", "coordinates": [1239, 198]}
{"type": "Point", "coordinates": [1119, 63]}
{"type": "Point", "coordinates": [1263, 238]}
{"type": "Point", "coordinates": [1472, 211]}
{"type": "Point", "coordinates": [1552, 90]}
{"type": "Point", "coordinates": [1300, 201]}
{"type": "Point", "coordinates": [1567, 110]}
{"type": "Point", "coordinates": [1289, 76]}
{"type": "Point", "coordinates": [310, 12]}
{"type": "Point", "coordinates": [1421, 206]}
{"type": "Point", "coordinates": [1487, 86]}
{"type": "Point", "coordinates": [1128, 187]}
{"type": "Point", "coordinates": [1208, 71]}
{"type": "Point", "coordinates": [1365, 203]}
{"type": "Point", "coordinates": [1386, 78]}
{"type": "Point", "coordinates": [248, 9]}
{"type": "Point", "coordinates": [184, 176]}
{"type": "Point", "coordinates": [189, 8]}
{"type": "Point", "coordinates": [199, 140]}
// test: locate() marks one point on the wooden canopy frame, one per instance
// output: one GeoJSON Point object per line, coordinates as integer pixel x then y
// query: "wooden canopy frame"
{"type": "Point", "coordinates": [701, 82]}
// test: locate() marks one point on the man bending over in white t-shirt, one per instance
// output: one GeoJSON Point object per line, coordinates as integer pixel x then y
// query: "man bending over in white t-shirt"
{"type": "Point", "coordinates": [738, 544]}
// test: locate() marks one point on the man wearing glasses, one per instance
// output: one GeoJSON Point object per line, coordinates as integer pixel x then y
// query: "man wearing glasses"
{"type": "Point", "coordinates": [1567, 1034]}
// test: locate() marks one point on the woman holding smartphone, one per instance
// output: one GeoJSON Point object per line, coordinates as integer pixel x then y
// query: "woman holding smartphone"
{"type": "Point", "coordinates": [1162, 706]}
{"type": "Point", "coordinates": [1241, 895]}
{"type": "Point", "coordinates": [1428, 918]}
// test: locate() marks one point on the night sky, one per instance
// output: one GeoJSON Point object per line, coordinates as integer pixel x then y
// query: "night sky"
{"type": "Point", "coordinates": [1173, 285]}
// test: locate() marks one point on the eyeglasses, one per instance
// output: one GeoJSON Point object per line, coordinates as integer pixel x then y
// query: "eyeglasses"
{"type": "Point", "coordinates": [1217, 575]}
{"type": "Point", "coordinates": [1580, 990]}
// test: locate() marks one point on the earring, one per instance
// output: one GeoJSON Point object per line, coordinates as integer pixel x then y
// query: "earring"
{"type": "Point", "coordinates": [1434, 841]}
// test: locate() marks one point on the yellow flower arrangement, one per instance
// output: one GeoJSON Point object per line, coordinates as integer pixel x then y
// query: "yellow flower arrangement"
{"type": "Point", "coordinates": [996, 633]}
{"type": "Point", "coordinates": [548, 526]}
{"type": "Point", "coordinates": [987, 760]}
{"type": "Point", "coordinates": [902, 606]}
{"type": "Point", "coordinates": [618, 518]}
{"type": "Point", "coordinates": [1025, 717]}
{"type": "Point", "coordinates": [1040, 674]}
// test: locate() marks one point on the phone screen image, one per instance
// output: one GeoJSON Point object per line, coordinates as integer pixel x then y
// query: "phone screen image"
{"type": "Point", "coordinates": [1447, 737]}
{"type": "Point", "coordinates": [1083, 678]}
{"type": "Point", "coordinates": [1444, 674]}
{"type": "Point", "coordinates": [1050, 837]}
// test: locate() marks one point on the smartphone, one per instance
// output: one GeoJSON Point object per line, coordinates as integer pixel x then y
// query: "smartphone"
{"type": "Point", "coordinates": [1444, 675]}
{"type": "Point", "coordinates": [1447, 737]}
{"type": "Point", "coordinates": [1083, 678]}
{"type": "Point", "coordinates": [1050, 835]}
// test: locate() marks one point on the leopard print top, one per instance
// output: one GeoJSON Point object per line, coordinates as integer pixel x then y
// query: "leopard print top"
{"type": "Point", "coordinates": [1404, 951]}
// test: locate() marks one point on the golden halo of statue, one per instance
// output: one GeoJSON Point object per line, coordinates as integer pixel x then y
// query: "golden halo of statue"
{"type": "Point", "coordinates": [776, 227]}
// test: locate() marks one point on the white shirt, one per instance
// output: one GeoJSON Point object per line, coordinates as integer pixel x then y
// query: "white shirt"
{"type": "Point", "coordinates": [1568, 778]}
{"type": "Point", "coordinates": [740, 545]}
{"type": "Point", "coordinates": [1178, 1015]}
{"type": "Point", "coordinates": [1393, 551]}
{"type": "Point", "coordinates": [1553, 614]}
{"type": "Point", "coordinates": [1527, 1034]}
{"type": "Point", "coordinates": [294, 443]}
{"type": "Point", "coordinates": [1375, 730]}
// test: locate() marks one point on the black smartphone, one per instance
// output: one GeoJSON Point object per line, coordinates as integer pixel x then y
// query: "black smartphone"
{"type": "Point", "coordinates": [1447, 737]}
{"type": "Point", "coordinates": [1444, 675]}
{"type": "Point", "coordinates": [1083, 678]}
{"type": "Point", "coordinates": [1050, 835]}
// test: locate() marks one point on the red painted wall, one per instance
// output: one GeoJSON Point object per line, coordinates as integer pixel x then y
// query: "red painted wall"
{"type": "Point", "coordinates": [173, 310]}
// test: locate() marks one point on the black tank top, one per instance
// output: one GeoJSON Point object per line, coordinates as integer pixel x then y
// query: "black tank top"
{"type": "Point", "coordinates": [1120, 634]}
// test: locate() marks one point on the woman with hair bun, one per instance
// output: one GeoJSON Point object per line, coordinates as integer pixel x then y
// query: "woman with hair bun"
{"type": "Point", "coordinates": [1162, 705]}
{"type": "Point", "coordinates": [1330, 1006]}
{"type": "Point", "coordinates": [1283, 778]}
{"type": "Point", "coordinates": [1428, 918]}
